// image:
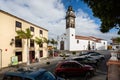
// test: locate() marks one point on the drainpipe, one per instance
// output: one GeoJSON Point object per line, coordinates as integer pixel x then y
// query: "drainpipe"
{"type": "Point", "coordinates": [1, 58]}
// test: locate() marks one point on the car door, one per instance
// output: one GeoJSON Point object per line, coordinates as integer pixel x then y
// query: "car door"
{"type": "Point", "coordinates": [76, 69]}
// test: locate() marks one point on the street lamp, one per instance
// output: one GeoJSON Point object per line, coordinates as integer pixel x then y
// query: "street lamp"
{"type": "Point", "coordinates": [0, 58]}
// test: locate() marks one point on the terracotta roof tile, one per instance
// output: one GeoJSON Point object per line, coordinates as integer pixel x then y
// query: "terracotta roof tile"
{"type": "Point", "coordinates": [88, 38]}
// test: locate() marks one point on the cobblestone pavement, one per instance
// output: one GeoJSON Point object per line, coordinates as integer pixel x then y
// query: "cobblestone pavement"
{"type": "Point", "coordinates": [98, 75]}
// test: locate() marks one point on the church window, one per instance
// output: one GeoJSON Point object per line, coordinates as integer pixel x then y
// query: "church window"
{"type": "Point", "coordinates": [104, 43]}
{"type": "Point", "coordinates": [77, 41]}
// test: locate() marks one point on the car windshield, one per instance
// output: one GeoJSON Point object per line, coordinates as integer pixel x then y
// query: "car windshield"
{"type": "Point", "coordinates": [46, 76]}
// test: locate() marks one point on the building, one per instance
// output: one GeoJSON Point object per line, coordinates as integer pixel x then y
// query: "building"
{"type": "Point", "coordinates": [71, 42]}
{"type": "Point", "coordinates": [11, 46]}
{"type": "Point", "coordinates": [115, 44]}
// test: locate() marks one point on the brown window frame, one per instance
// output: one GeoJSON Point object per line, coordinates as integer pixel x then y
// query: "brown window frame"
{"type": "Point", "coordinates": [32, 29]}
{"type": "Point", "coordinates": [32, 44]}
{"type": "Point", "coordinates": [41, 32]}
{"type": "Point", "coordinates": [18, 24]}
{"type": "Point", "coordinates": [19, 54]}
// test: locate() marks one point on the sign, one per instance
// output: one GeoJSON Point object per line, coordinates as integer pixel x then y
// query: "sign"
{"type": "Point", "coordinates": [14, 60]}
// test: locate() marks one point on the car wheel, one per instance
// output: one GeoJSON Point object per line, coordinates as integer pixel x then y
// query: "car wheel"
{"type": "Point", "coordinates": [87, 76]}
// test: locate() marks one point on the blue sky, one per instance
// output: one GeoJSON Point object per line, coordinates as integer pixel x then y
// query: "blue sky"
{"type": "Point", "coordinates": [50, 14]}
{"type": "Point", "coordinates": [76, 4]}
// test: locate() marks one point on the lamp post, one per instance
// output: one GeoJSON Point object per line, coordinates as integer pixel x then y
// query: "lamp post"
{"type": "Point", "coordinates": [0, 58]}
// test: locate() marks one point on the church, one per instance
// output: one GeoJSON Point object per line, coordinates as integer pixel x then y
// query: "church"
{"type": "Point", "coordinates": [69, 41]}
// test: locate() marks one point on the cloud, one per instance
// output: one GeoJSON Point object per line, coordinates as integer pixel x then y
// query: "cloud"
{"type": "Point", "coordinates": [87, 26]}
{"type": "Point", "coordinates": [50, 14]}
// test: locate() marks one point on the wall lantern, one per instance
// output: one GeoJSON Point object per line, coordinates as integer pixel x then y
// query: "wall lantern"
{"type": "Point", "coordinates": [12, 41]}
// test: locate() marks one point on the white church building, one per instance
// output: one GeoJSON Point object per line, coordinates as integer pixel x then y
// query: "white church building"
{"type": "Point", "coordinates": [71, 42]}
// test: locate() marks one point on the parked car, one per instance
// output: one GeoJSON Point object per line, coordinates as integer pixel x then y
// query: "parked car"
{"type": "Point", "coordinates": [64, 55]}
{"type": "Point", "coordinates": [86, 60]}
{"type": "Point", "coordinates": [83, 53]}
{"type": "Point", "coordinates": [72, 68]}
{"type": "Point", "coordinates": [30, 74]}
{"type": "Point", "coordinates": [95, 55]}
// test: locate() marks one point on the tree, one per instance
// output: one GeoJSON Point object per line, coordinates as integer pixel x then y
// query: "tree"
{"type": "Point", "coordinates": [53, 42]}
{"type": "Point", "coordinates": [25, 35]}
{"type": "Point", "coordinates": [46, 40]}
{"type": "Point", "coordinates": [116, 40]}
{"type": "Point", "coordinates": [108, 11]}
{"type": "Point", "coordinates": [39, 41]}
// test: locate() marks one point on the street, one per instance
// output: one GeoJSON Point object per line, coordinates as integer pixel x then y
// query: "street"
{"type": "Point", "coordinates": [100, 73]}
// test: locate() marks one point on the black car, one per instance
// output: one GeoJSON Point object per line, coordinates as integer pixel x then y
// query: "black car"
{"type": "Point", "coordinates": [30, 74]}
{"type": "Point", "coordinates": [87, 60]}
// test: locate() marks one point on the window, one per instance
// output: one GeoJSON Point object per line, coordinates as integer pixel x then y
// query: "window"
{"type": "Point", "coordinates": [41, 53]}
{"type": "Point", "coordinates": [31, 43]}
{"type": "Point", "coordinates": [32, 29]}
{"type": "Point", "coordinates": [104, 43]}
{"type": "Point", "coordinates": [18, 42]}
{"type": "Point", "coordinates": [77, 41]}
{"type": "Point", "coordinates": [18, 24]}
{"type": "Point", "coordinates": [19, 54]}
{"type": "Point", "coordinates": [41, 32]}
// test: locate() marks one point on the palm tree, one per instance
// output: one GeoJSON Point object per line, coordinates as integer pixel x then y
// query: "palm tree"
{"type": "Point", "coordinates": [25, 35]}
{"type": "Point", "coordinates": [46, 40]}
{"type": "Point", "coordinates": [39, 41]}
{"type": "Point", "coordinates": [53, 42]}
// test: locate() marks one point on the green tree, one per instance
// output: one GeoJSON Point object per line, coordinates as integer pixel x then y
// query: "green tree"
{"type": "Point", "coordinates": [116, 40]}
{"type": "Point", "coordinates": [39, 41]}
{"type": "Point", "coordinates": [108, 11]}
{"type": "Point", "coordinates": [53, 42]}
{"type": "Point", "coordinates": [46, 40]}
{"type": "Point", "coordinates": [25, 35]}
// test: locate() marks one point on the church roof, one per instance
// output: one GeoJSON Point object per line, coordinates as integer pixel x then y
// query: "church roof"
{"type": "Point", "coordinates": [88, 38]}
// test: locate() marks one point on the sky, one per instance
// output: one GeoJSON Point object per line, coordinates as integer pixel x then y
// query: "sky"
{"type": "Point", "coordinates": [50, 14]}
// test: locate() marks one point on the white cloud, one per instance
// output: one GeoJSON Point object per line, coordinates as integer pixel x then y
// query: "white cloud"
{"type": "Point", "coordinates": [50, 14]}
{"type": "Point", "coordinates": [88, 27]}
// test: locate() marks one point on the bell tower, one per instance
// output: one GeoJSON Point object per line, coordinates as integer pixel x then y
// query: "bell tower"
{"type": "Point", "coordinates": [70, 18]}
{"type": "Point", "coordinates": [70, 29]}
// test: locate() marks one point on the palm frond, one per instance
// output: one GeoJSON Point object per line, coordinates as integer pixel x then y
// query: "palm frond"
{"type": "Point", "coordinates": [38, 40]}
